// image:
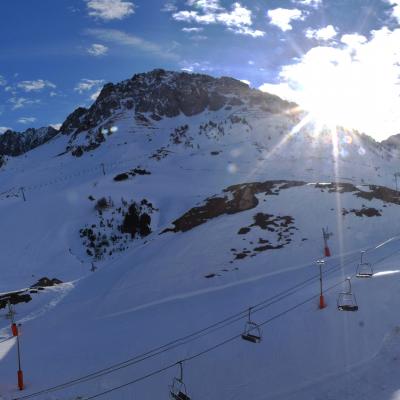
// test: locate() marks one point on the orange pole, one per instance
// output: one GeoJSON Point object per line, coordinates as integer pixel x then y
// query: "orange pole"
{"type": "Point", "coordinates": [321, 302]}
{"type": "Point", "coordinates": [321, 296]}
{"type": "Point", "coordinates": [20, 380]}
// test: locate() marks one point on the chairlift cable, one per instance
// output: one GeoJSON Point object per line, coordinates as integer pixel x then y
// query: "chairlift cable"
{"type": "Point", "coordinates": [186, 339]}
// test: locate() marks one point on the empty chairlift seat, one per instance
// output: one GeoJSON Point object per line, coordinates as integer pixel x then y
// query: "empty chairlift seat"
{"type": "Point", "coordinates": [252, 331]}
{"type": "Point", "coordinates": [347, 300]}
{"type": "Point", "coordinates": [364, 269]}
{"type": "Point", "coordinates": [178, 389]}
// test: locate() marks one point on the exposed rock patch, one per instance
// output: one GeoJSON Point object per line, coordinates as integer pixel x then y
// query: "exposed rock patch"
{"type": "Point", "coordinates": [132, 173]}
{"type": "Point", "coordinates": [238, 198]}
{"type": "Point", "coordinates": [279, 227]}
{"type": "Point", "coordinates": [46, 282]}
{"type": "Point", "coordinates": [363, 212]}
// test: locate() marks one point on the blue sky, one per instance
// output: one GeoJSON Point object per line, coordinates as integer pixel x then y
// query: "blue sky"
{"type": "Point", "coordinates": [56, 55]}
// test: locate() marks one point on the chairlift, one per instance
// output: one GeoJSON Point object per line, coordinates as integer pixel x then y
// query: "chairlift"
{"type": "Point", "coordinates": [347, 300]}
{"type": "Point", "coordinates": [11, 312]}
{"type": "Point", "coordinates": [364, 269]}
{"type": "Point", "coordinates": [252, 331]}
{"type": "Point", "coordinates": [178, 389]}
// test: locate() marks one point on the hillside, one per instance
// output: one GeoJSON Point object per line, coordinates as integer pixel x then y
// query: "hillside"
{"type": "Point", "coordinates": [195, 198]}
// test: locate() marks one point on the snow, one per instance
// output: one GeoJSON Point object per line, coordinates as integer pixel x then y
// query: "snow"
{"type": "Point", "coordinates": [156, 291]}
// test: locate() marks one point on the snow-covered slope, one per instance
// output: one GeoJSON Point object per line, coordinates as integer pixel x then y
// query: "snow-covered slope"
{"type": "Point", "coordinates": [195, 198]}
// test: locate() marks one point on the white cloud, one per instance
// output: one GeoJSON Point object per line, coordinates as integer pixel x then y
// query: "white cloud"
{"type": "Point", "coordinates": [247, 82]}
{"type": "Point", "coordinates": [204, 66]}
{"type": "Point", "coordinates": [56, 126]}
{"type": "Point", "coordinates": [21, 102]}
{"type": "Point", "coordinates": [309, 3]}
{"type": "Point", "coordinates": [87, 84]}
{"type": "Point", "coordinates": [395, 11]}
{"type": "Point", "coordinates": [206, 5]}
{"type": "Point", "coordinates": [245, 30]}
{"type": "Point", "coordinates": [26, 120]}
{"type": "Point", "coordinates": [325, 34]}
{"type": "Point", "coordinates": [39, 84]}
{"type": "Point", "coordinates": [194, 16]}
{"type": "Point", "coordinates": [4, 129]}
{"type": "Point", "coordinates": [95, 95]}
{"type": "Point", "coordinates": [282, 17]}
{"type": "Point", "coordinates": [121, 38]}
{"type": "Point", "coordinates": [282, 90]}
{"type": "Point", "coordinates": [190, 30]}
{"type": "Point", "coordinates": [97, 49]}
{"type": "Point", "coordinates": [237, 20]}
{"type": "Point", "coordinates": [353, 40]}
{"type": "Point", "coordinates": [199, 37]}
{"type": "Point", "coordinates": [3, 82]}
{"type": "Point", "coordinates": [355, 83]}
{"type": "Point", "coordinates": [238, 17]}
{"type": "Point", "coordinates": [110, 9]}
{"type": "Point", "coordinates": [169, 7]}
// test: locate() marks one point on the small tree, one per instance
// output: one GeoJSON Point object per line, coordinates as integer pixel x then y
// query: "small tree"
{"type": "Point", "coordinates": [101, 204]}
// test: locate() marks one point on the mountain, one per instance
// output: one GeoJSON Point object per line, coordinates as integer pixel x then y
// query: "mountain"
{"type": "Point", "coordinates": [17, 143]}
{"type": "Point", "coordinates": [161, 213]}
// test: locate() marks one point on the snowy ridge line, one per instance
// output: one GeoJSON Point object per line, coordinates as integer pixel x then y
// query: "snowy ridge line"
{"type": "Point", "coordinates": [210, 329]}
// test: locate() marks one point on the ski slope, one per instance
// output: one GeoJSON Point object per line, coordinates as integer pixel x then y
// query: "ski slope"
{"type": "Point", "coordinates": [156, 291]}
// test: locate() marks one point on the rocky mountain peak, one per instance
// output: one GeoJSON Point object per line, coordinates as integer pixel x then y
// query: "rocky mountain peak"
{"type": "Point", "coordinates": [166, 94]}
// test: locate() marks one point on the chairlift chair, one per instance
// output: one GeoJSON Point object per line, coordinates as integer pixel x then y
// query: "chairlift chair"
{"type": "Point", "coordinates": [364, 269]}
{"type": "Point", "coordinates": [178, 389]}
{"type": "Point", "coordinates": [252, 331]}
{"type": "Point", "coordinates": [347, 300]}
{"type": "Point", "coordinates": [11, 312]}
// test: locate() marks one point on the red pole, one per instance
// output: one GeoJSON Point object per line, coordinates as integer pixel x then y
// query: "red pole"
{"type": "Point", "coordinates": [321, 296]}
{"type": "Point", "coordinates": [327, 251]}
{"type": "Point", "coordinates": [15, 332]}
{"type": "Point", "coordinates": [14, 329]}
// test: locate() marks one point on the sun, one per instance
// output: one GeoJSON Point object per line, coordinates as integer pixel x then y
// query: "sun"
{"type": "Point", "coordinates": [354, 86]}
{"type": "Point", "coordinates": [329, 90]}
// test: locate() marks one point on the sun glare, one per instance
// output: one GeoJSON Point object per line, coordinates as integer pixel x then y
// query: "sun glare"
{"type": "Point", "coordinates": [354, 85]}
{"type": "Point", "coordinates": [330, 89]}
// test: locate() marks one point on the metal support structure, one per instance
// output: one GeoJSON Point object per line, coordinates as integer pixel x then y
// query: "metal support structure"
{"type": "Point", "coordinates": [326, 235]}
{"type": "Point", "coordinates": [322, 304]}
{"type": "Point", "coordinates": [396, 175]}
{"type": "Point", "coordinates": [180, 371]}
{"type": "Point", "coordinates": [15, 331]}
{"type": "Point", "coordinates": [22, 192]}
{"type": "Point", "coordinates": [103, 168]}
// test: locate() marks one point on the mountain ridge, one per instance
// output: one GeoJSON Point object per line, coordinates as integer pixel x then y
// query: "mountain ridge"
{"type": "Point", "coordinates": [152, 96]}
